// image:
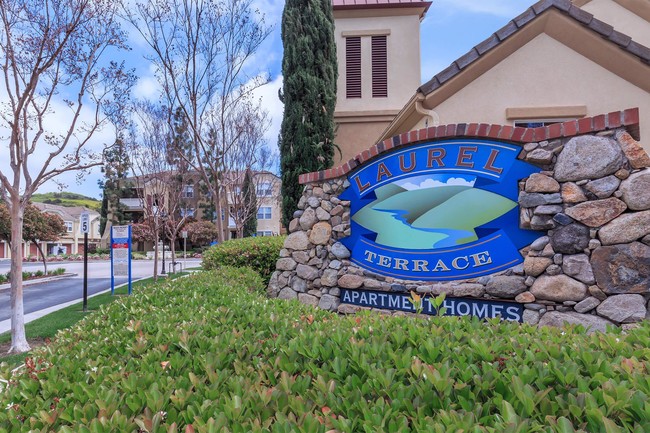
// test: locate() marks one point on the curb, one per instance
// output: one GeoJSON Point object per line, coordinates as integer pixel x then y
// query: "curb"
{"type": "Point", "coordinates": [7, 286]}
{"type": "Point", "coordinates": [5, 325]}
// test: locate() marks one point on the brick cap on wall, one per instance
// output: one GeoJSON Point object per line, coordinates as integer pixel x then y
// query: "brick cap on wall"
{"type": "Point", "coordinates": [628, 118]}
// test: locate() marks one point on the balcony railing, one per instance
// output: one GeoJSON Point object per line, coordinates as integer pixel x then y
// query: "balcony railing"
{"type": "Point", "coordinates": [132, 203]}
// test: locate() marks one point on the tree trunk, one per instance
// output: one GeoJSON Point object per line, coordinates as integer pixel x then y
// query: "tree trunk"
{"type": "Point", "coordinates": [40, 250]}
{"type": "Point", "coordinates": [172, 248]}
{"type": "Point", "coordinates": [155, 253]}
{"type": "Point", "coordinates": [218, 210]}
{"type": "Point", "coordinates": [18, 338]}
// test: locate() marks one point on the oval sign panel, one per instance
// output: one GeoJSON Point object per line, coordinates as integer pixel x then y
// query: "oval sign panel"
{"type": "Point", "coordinates": [439, 211]}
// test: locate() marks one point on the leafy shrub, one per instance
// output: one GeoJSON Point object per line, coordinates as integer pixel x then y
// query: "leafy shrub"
{"type": "Point", "coordinates": [57, 271]}
{"type": "Point", "coordinates": [198, 250]}
{"type": "Point", "coordinates": [3, 278]}
{"type": "Point", "coordinates": [138, 256]}
{"type": "Point", "coordinates": [259, 253]}
{"type": "Point", "coordinates": [206, 351]}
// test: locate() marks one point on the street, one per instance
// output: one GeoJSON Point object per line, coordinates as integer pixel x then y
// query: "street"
{"type": "Point", "coordinates": [43, 295]}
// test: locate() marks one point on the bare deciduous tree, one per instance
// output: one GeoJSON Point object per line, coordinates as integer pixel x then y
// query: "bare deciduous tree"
{"type": "Point", "coordinates": [201, 49]}
{"type": "Point", "coordinates": [57, 92]}
{"type": "Point", "coordinates": [161, 175]}
{"type": "Point", "coordinates": [248, 152]}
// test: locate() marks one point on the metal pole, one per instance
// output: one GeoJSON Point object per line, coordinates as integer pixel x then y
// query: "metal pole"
{"type": "Point", "coordinates": [185, 253]}
{"type": "Point", "coordinates": [163, 263]}
{"type": "Point", "coordinates": [85, 272]}
{"type": "Point", "coordinates": [130, 236]}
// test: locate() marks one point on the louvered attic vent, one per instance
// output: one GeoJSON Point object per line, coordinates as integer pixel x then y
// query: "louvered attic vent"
{"type": "Point", "coordinates": [353, 67]}
{"type": "Point", "coordinates": [379, 67]}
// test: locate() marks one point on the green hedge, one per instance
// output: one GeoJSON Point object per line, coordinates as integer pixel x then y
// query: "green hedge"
{"type": "Point", "coordinates": [258, 253]}
{"type": "Point", "coordinates": [209, 352]}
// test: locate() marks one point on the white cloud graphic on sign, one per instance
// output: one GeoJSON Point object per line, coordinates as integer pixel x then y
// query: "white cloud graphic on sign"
{"type": "Point", "coordinates": [423, 182]}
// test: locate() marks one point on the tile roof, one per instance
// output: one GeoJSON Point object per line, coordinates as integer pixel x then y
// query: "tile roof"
{"type": "Point", "coordinates": [375, 4]}
{"type": "Point", "coordinates": [68, 212]}
{"type": "Point", "coordinates": [565, 6]}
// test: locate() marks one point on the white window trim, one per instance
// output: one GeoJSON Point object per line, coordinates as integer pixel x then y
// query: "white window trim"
{"type": "Point", "coordinates": [262, 215]}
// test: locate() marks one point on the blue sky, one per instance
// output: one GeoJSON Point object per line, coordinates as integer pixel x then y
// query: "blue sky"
{"type": "Point", "coordinates": [450, 29]}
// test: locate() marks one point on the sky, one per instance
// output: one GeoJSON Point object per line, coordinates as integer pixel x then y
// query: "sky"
{"type": "Point", "coordinates": [450, 29]}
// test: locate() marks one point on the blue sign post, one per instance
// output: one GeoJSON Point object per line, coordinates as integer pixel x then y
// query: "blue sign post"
{"type": "Point", "coordinates": [439, 211]}
{"type": "Point", "coordinates": [120, 255]}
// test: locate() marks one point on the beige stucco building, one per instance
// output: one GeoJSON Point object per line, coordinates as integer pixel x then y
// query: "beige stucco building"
{"type": "Point", "coordinates": [557, 61]}
{"type": "Point", "coordinates": [71, 242]}
{"type": "Point", "coordinates": [378, 52]}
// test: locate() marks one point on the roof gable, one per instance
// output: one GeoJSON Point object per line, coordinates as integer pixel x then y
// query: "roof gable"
{"type": "Point", "coordinates": [559, 19]}
{"type": "Point", "coordinates": [533, 13]}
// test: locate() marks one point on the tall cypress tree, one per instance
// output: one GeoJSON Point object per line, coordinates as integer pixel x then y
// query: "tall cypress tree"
{"type": "Point", "coordinates": [309, 94]}
{"type": "Point", "coordinates": [250, 205]}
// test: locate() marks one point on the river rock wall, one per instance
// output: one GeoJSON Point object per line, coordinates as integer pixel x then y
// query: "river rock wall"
{"type": "Point", "coordinates": [590, 266]}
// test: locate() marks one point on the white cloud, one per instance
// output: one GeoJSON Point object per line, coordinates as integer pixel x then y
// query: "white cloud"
{"type": "Point", "coordinates": [57, 121]}
{"type": "Point", "coordinates": [268, 94]}
{"type": "Point", "coordinates": [147, 87]}
{"type": "Point", "coordinates": [432, 183]}
{"type": "Point", "coordinates": [502, 8]}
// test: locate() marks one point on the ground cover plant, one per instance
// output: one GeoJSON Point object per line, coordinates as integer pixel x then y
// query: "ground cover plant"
{"type": "Point", "coordinates": [30, 275]}
{"type": "Point", "coordinates": [43, 329]}
{"type": "Point", "coordinates": [260, 253]}
{"type": "Point", "coordinates": [208, 354]}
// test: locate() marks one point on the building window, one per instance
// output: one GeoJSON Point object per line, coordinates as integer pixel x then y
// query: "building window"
{"type": "Point", "coordinates": [188, 191]}
{"type": "Point", "coordinates": [68, 226]}
{"type": "Point", "coordinates": [379, 67]}
{"type": "Point", "coordinates": [187, 212]}
{"type": "Point", "coordinates": [264, 189]}
{"type": "Point", "coordinates": [537, 123]}
{"type": "Point", "coordinates": [353, 67]}
{"type": "Point", "coordinates": [264, 213]}
{"type": "Point", "coordinates": [264, 233]}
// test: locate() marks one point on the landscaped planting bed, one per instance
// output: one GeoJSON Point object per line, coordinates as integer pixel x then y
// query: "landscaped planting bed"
{"type": "Point", "coordinates": [208, 354]}
{"type": "Point", "coordinates": [260, 253]}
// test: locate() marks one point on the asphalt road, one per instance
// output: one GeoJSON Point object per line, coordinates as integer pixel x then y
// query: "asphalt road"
{"type": "Point", "coordinates": [43, 295]}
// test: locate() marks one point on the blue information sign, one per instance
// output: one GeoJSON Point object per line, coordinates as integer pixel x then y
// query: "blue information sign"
{"type": "Point", "coordinates": [120, 254]}
{"type": "Point", "coordinates": [439, 211]}
{"type": "Point", "coordinates": [483, 309]}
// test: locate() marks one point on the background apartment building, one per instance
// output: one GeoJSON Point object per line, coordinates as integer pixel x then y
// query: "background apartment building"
{"type": "Point", "coordinates": [157, 196]}
{"type": "Point", "coordinates": [70, 242]}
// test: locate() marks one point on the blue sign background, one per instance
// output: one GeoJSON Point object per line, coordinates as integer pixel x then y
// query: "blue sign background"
{"type": "Point", "coordinates": [439, 211]}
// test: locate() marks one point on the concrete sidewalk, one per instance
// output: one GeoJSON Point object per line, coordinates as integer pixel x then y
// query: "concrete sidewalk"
{"type": "Point", "coordinates": [5, 325]}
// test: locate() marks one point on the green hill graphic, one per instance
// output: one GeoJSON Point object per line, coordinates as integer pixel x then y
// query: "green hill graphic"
{"type": "Point", "coordinates": [430, 218]}
{"type": "Point", "coordinates": [419, 201]}
{"type": "Point", "coordinates": [388, 191]}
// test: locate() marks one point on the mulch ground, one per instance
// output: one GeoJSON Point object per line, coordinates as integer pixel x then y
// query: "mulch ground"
{"type": "Point", "coordinates": [33, 343]}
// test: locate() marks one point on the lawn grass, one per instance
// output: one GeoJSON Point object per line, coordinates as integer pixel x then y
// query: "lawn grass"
{"type": "Point", "coordinates": [47, 326]}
